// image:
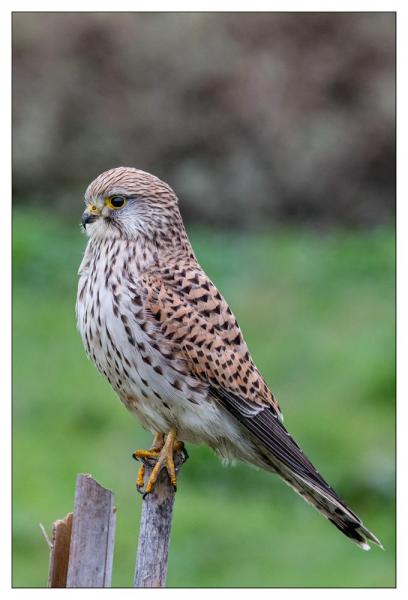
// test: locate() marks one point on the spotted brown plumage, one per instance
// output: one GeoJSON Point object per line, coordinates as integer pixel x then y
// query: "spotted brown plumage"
{"type": "Point", "coordinates": [165, 338]}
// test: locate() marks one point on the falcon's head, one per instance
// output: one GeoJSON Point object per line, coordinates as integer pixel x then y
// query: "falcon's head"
{"type": "Point", "coordinates": [126, 202]}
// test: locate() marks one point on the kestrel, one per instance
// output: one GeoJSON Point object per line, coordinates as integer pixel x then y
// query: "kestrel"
{"type": "Point", "coordinates": [161, 333]}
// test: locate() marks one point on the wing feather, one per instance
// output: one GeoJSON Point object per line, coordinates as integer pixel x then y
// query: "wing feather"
{"type": "Point", "coordinates": [270, 431]}
{"type": "Point", "coordinates": [192, 313]}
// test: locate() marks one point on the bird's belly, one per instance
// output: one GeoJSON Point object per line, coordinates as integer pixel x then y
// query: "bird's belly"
{"type": "Point", "coordinates": [204, 422]}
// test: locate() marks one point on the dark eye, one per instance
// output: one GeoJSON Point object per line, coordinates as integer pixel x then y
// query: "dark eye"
{"type": "Point", "coordinates": [116, 201]}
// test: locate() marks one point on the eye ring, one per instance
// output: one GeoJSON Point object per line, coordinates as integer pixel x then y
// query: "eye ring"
{"type": "Point", "coordinates": [116, 202]}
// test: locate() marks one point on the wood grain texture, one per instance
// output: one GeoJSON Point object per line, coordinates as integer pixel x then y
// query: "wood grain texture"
{"type": "Point", "coordinates": [59, 552]}
{"type": "Point", "coordinates": [155, 528]}
{"type": "Point", "coordinates": [92, 537]}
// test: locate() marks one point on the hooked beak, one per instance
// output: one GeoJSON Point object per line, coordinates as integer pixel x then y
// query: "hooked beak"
{"type": "Point", "coordinates": [89, 217]}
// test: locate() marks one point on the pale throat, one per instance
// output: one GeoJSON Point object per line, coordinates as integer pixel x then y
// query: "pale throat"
{"type": "Point", "coordinates": [143, 251]}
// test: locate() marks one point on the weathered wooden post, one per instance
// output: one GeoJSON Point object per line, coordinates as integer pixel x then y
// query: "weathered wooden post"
{"type": "Point", "coordinates": [155, 527]}
{"type": "Point", "coordinates": [93, 535]}
{"type": "Point", "coordinates": [82, 544]}
{"type": "Point", "coordinates": [81, 549]}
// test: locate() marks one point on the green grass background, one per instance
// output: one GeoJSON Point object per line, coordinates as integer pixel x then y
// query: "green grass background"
{"type": "Point", "coordinates": [317, 311]}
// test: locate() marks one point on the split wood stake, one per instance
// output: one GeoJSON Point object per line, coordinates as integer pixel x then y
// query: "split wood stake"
{"type": "Point", "coordinates": [81, 548]}
{"type": "Point", "coordinates": [59, 552]}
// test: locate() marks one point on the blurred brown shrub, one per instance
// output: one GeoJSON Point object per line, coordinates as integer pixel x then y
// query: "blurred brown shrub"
{"type": "Point", "coordinates": [250, 117]}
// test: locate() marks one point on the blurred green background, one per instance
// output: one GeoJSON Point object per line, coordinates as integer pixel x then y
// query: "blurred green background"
{"type": "Point", "coordinates": [277, 131]}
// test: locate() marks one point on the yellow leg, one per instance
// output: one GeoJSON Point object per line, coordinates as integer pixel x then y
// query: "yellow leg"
{"type": "Point", "coordinates": [140, 477]}
{"type": "Point", "coordinates": [162, 452]}
{"type": "Point", "coordinates": [165, 459]}
{"type": "Point", "coordinates": [158, 442]}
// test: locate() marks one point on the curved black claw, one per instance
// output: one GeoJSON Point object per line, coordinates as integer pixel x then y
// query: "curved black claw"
{"type": "Point", "coordinates": [185, 454]}
{"type": "Point", "coordinates": [140, 490]}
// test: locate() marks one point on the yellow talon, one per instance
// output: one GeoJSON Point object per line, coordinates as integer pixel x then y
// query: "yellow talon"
{"type": "Point", "coordinates": [140, 477]}
{"type": "Point", "coordinates": [171, 471]}
{"type": "Point", "coordinates": [153, 453]}
{"type": "Point", "coordinates": [178, 446]}
{"type": "Point", "coordinates": [146, 454]}
{"type": "Point", "coordinates": [163, 453]}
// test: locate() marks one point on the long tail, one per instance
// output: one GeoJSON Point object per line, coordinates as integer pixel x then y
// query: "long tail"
{"type": "Point", "coordinates": [277, 451]}
{"type": "Point", "coordinates": [330, 506]}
